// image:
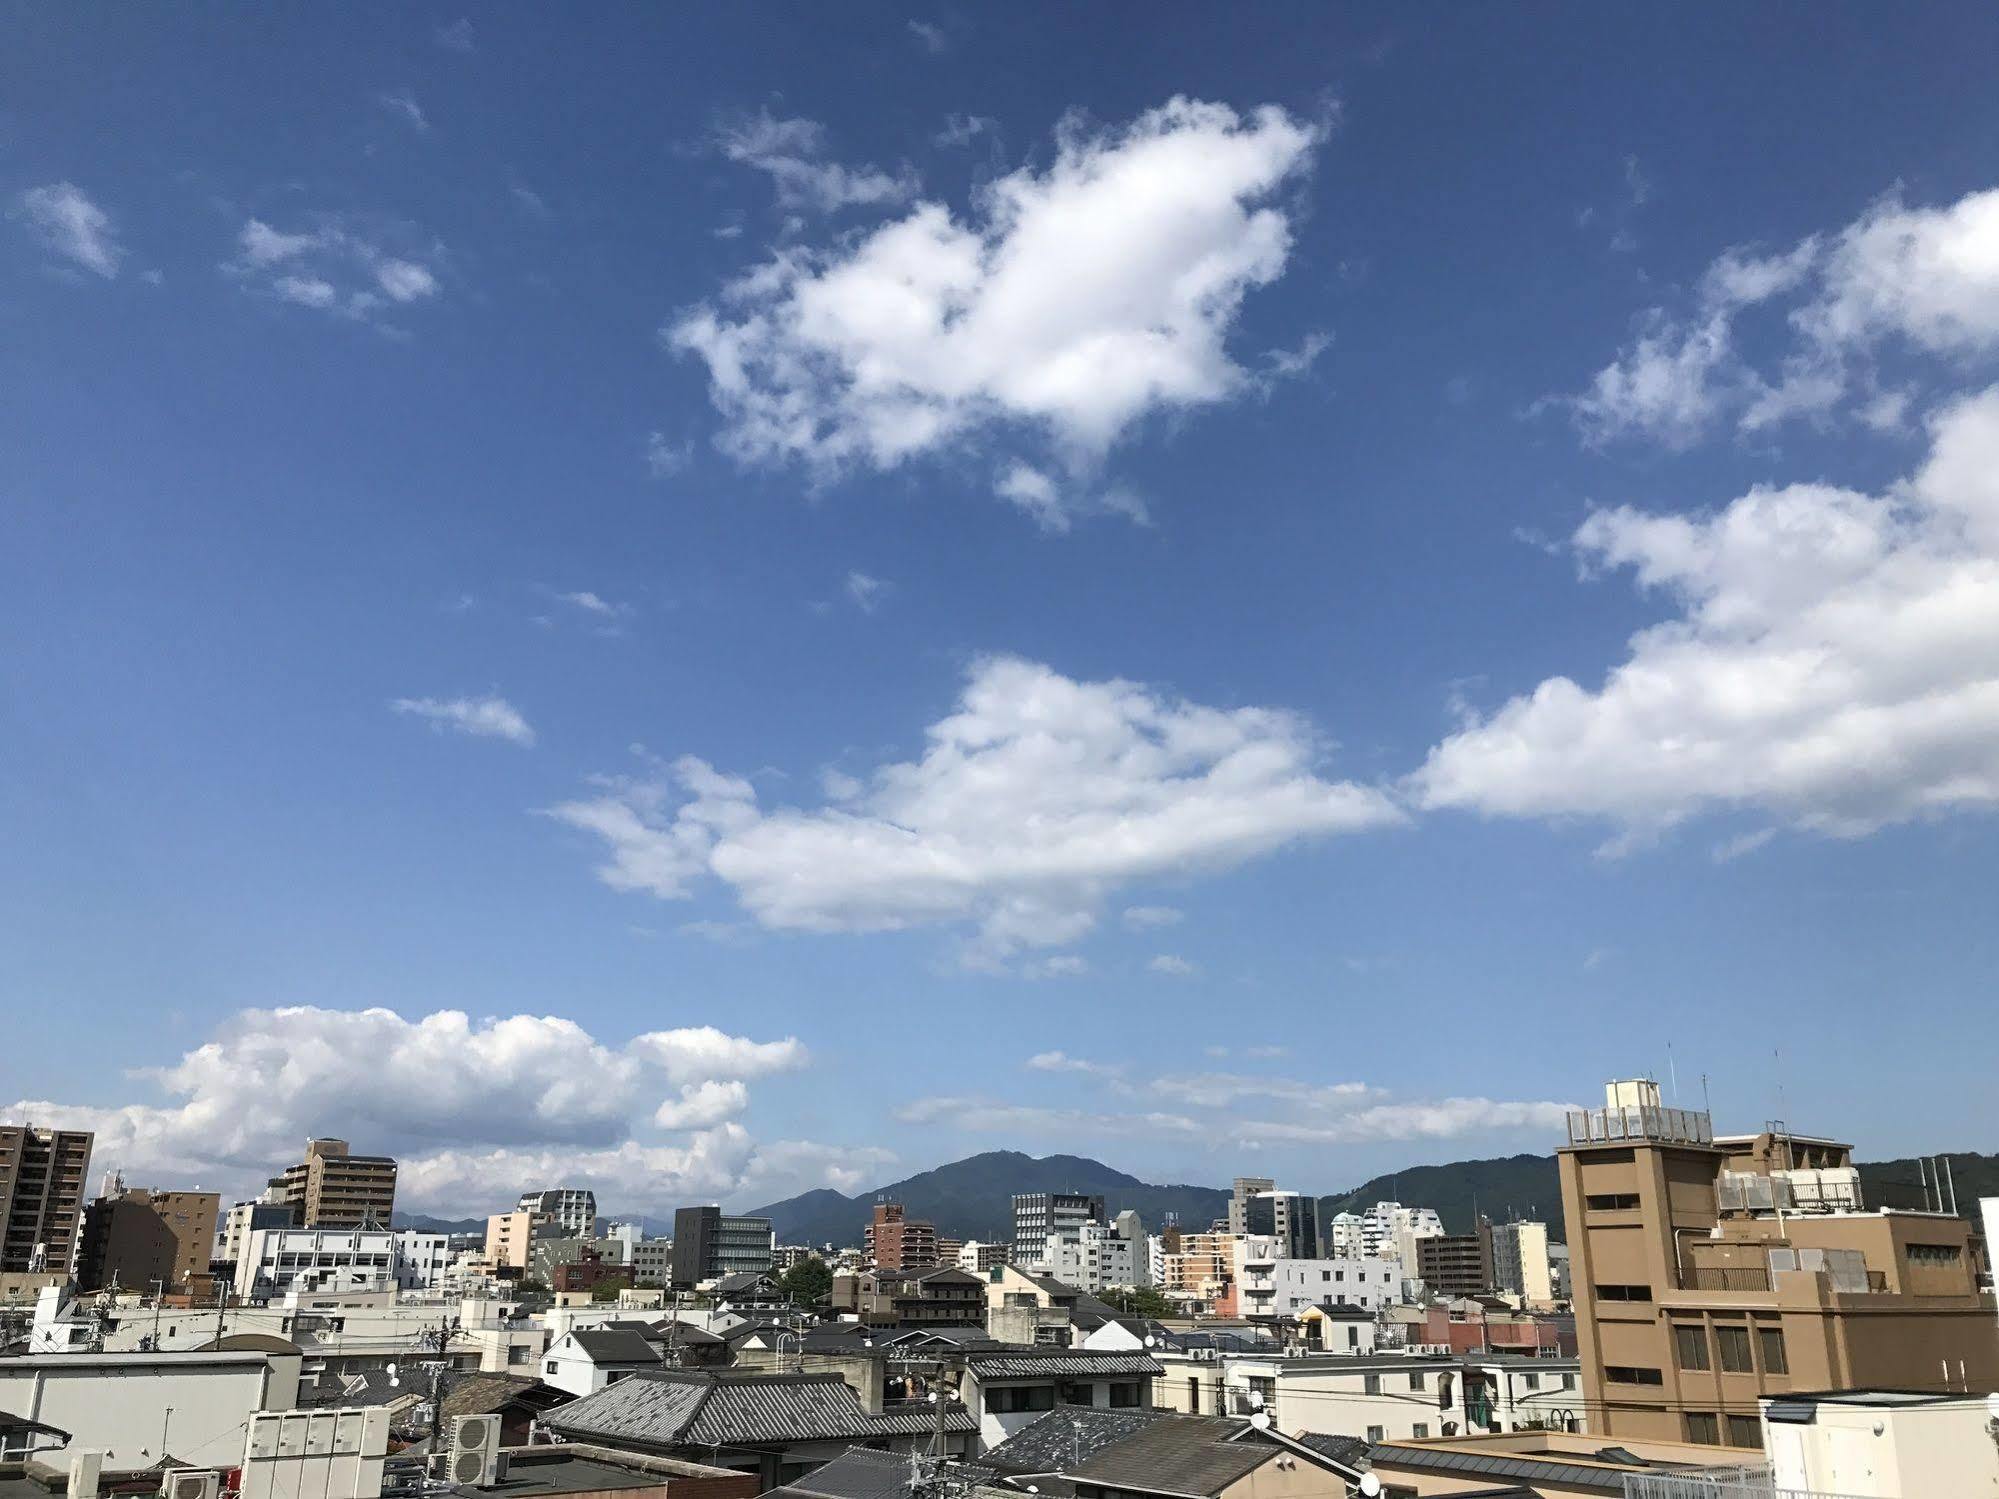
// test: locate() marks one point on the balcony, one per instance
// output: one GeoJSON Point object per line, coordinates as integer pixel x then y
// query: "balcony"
{"type": "Point", "coordinates": [1658, 1125]}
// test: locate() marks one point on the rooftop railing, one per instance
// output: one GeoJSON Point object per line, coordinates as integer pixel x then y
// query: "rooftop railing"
{"type": "Point", "coordinates": [1612, 1126]}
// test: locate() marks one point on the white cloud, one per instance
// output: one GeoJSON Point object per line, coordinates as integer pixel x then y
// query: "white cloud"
{"type": "Point", "coordinates": [66, 220]}
{"type": "Point", "coordinates": [1061, 965]}
{"type": "Point", "coordinates": [1925, 280]}
{"type": "Point", "coordinates": [1033, 802]}
{"type": "Point", "coordinates": [1145, 918]}
{"type": "Point", "coordinates": [405, 108]}
{"type": "Point", "coordinates": [1441, 1119]}
{"type": "Point", "coordinates": [865, 591]}
{"type": "Point", "coordinates": [1172, 966]}
{"type": "Point", "coordinates": [793, 152]}
{"type": "Point", "coordinates": [962, 130]}
{"type": "Point", "coordinates": [1061, 1061]}
{"type": "Point", "coordinates": [482, 717]}
{"type": "Point", "coordinates": [470, 1108]}
{"type": "Point", "coordinates": [932, 38]}
{"type": "Point", "coordinates": [989, 1116]}
{"type": "Point", "coordinates": [665, 458]}
{"type": "Point", "coordinates": [456, 36]}
{"type": "Point", "coordinates": [1832, 662]}
{"type": "Point", "coordinates": [1076, 302]}
{"type": "Point", "coordinates": [703, 1105]}
{"type": "Point", "coordinates": [333, 267]}
{"type": "Point", "coordinates": [593, 603]}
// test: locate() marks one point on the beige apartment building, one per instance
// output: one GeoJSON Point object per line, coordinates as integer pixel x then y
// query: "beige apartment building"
{"type": "Point", "coordinates": [135, 1238]}
{"type": "Point", "coordinates": [510, 1238]}
{"type": "Point", "coordinates": [333, 1188]}
{"type": "Point", "coordinates": [1710, 1271]}
{"type": "Point", "coordinates": [1204, 1267]}
{"type": "Point", "coordinates": [41, 1197]}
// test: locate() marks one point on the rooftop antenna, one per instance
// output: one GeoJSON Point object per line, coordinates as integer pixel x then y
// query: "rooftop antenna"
{"type": "Point", "coordinates": [1673, 1073]}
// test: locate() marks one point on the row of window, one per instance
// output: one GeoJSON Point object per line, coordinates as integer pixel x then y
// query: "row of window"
{"type": "Point", "coordinates": [1705, 1427]}
{"type": "Point", "coordinates": [1611, 1202]}
{"type": "Point", "coordinates": [1623, 1293]}
{"type": "Point", "coordinates": [1732, 1344]}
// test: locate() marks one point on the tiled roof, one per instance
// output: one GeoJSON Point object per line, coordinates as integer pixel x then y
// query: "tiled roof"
{"type": "Point", "coordinates": [1588, 1469]}
{"type": "Point", "coordinates": [861, 1473]}
{"type": "Point", "coordinates": [1025, 1363]}
{"type": "Point", "coordinates": [483, 1394]}
{"type": "Point", "coordinates": [719, 1409]}
{"type": "Point", "coordinates": [1190, 1455]}
{"type": "Point", "coordinates": [1053, 1443]}
{"type": "Point", "coordinates": [609, 1345]}
{"type": "Point", "coordinates": [1348, 1452]}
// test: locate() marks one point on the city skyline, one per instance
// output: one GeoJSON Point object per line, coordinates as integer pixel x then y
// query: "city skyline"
{"type": "Point", "coordinates": [585, 589]}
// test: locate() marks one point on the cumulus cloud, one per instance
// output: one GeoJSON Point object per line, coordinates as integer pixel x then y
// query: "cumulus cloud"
{"type": "Point", "coordinates": [1032, 803]}
{"type": "Point", "coordinates": [1145, 918]}
{"type": "Point", "coordinates": [1075, 302]}
{"type": "Point", "coordinates": [333, 266]}
{"type": "Point", "coordinates": [1831, 662]}
{"type": "Point", "coordinates": [1061, 1061]}
{"type": "Point", "coordinates": [1172, 966]}
{"type": "Point", "coordinates": [65, 219]}
{"type": "Point", "coordinates": [1920, 280]}
{"type": "Point", "coordinates": [481, 717]}
{"type": "Point", "coordinates": [470, 1108]}
{"type": "Point", "coordinates": [793, 152]}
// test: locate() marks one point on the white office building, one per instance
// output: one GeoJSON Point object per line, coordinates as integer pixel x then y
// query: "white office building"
{"type": "Point", "coordinates": [423, 1260]}
{"type": "Point", "coordinates": [1270, 1285]}
{"type": "Point", "coordinates": [571, 1210]}
{"type": "Point", "coordinates": [316, 1261]}
{"type": "Point", "coordinates": [1096, 1256]}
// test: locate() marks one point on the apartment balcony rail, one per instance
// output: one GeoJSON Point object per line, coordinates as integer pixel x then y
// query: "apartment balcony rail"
{"type": "Point", "coordinates": [1733, 1278]}
{"type": "Point", "coordinates": [1753, 1481]}
{"type": "Point", "coordinates": [1670, 1126]}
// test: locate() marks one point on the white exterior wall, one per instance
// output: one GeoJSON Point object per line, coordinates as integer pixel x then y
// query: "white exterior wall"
{"type": "Point", "coordinates": [422, 1259]}
{"type": "Point", "coordinates": [319, 1260]}
{"type": "Point", "coordinates": [1885, 1452]}
{"type": "Point", "coordinates": [119, 1403]}
{"type": "Point", "coordinates": [567, 1367]}
{"type": "Point", "coordinates": [1296, 1284]}
{"type": "Point", "coordinates": [1093, 1257]}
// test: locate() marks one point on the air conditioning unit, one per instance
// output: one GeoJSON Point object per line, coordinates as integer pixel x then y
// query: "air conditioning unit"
{"type": "Point", "coordinates": [475, 1451]}
{"type": "Point", "coordinates": [190, 1483]}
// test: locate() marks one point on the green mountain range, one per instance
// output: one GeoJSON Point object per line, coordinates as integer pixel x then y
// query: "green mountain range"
{"type": "Point", "coordinates": [971, 1199]}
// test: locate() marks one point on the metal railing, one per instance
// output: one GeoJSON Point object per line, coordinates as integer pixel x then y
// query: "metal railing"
{"type": "Point", "coordinates": [1753, 1481]}
{"type": "Point", "coordinates": [1732, 1278]}
{"type": "Point", "coordinates": [1609, 1126]}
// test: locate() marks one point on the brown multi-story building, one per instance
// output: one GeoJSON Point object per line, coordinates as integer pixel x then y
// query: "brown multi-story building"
{"type": "Point", "coordinates": [137, 1238]}
{"type": "Point", "coordinates": [332, 1188]}
{"type": "Point", "coordinates": [41, 1196]}
{"type": "Point", "coordinates": [896, 1242]}
{"type": "Point", "coordinates": [1712, 1270]}
{"type": "Point", "coordinates": [1455, 1264]}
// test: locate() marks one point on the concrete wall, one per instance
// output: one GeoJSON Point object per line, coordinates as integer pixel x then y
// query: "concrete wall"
{"type": "Point", "coordinates": [126, 1404]}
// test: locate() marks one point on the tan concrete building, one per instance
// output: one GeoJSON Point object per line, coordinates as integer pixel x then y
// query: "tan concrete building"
{"type": "Point", "coordinates": [1711, 1271]}
{"type": "Point", "coordinates": [1552, 1464]}
{"type": "Point", "coordinates": [1204, 1267]}
{"type": "Point", "coordinates": [41, 1196]}
{"type": "Point", "coordinates": [137, 1238]}
{"type": "Point", "coordinates": [333, 1188]}
{"type": "Point", "coordinates": [510, 1239]}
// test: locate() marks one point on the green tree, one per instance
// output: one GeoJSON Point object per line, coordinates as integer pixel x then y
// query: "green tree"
{"type": "Point", "coordinates": [1142, 1301]}
{"type": "Point", "coordinates": [809, 1282]}
{"type": "Point", "coordinates": [608, 1288]}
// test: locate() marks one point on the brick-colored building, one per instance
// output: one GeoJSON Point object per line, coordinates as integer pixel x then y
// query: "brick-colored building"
{"type": "Point", "coordinates": [1710, 1271]}
{"type": "Point", "coordinates": [333, 1188]}
{"type": "Point", "coordinates": [137, 1238]}
{"type": "Point", "coordinates": [41, 1196]}
{"type": "Point", "coordinates": [894, 1241]}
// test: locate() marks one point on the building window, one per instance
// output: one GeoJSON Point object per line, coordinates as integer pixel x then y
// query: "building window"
{"type": "Point", "coordinates": [1376, 1433]}
{"type": "Point", "coordinates": [553, 1367]}
{"type": "Point", "coordinates": [1690, 1345]}
{"type": "Point", "coordinates": [1627, 1374]}
{"type": "Point", "coordinates": [1734, 1344]}
{"type": "Point", "coordinates": [1416, 1379]}
{"type": "Point", "coordinates": [1531, 1381]}
{"type": "Point", "coordinates": [1623, 1293]}
{"type": "Point", "coordinates": [1933, 1254]}
{"type": "Point", "coordinates": [1771, 1344]}
{"type": "Point", "coordinates": [1568, 1381]}
{"type": "Point", "coordinates": [1612, 1202]}
{"type": "Point", "coordinates": [1370, 1384]}
{"type": "Point", "coordinates": [1703, 1427]}
{"type": "Point", "coordinates": [1194, 1395]}
{"type": "Point", "coordinates": [1745, 1431]}
{"type": "Point", "coordinates": [1419, 1429]}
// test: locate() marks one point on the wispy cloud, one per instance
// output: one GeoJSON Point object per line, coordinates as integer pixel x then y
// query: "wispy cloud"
{"type": "Point", "coordinates": [665, 458]}
{"type": "Point", "coordinates": [866, 591]}
{"type": "Point", "coordinates": [1172, 966]}
{"type": "Point", "coordinates": [404, 107]}
{"type": "Point", "coordinates": [793, 153]}
{"type": "Point", "coordinates": [930, 37]}
{"type": "Point", "coordinates": [455, 36]}
{"type": "Point", "coordinates": [481, 717]}
{"type": "Point", "coordinates": [333, 266]}
{"type": "Point", "coordinates": [65, 219]}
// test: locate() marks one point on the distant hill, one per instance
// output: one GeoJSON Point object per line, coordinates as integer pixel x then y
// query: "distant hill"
{"type": "Point", "coordinates": [424, 1223]}
{"type": "Point", "coordinates": [971, 1198]}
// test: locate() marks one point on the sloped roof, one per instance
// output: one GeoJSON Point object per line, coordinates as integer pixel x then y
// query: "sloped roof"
{"type": "Point", "coordinates": [1013, 1362]}
{"type": "Point", "coordinates": [614, 1345]}
{"type": "Point", "coordinates": [1191, 1455]}
{"type": "Point", "coordinates": [1053, 1443]}
{"type": "Point", "coordinates": [1348, 1452]}
{"type": "Point", "coordinates": [706, 1408]}
{"type": "Point", "coordinates": [484, 1394]}
{"type": "Point", "coordinates": [862, 1473]}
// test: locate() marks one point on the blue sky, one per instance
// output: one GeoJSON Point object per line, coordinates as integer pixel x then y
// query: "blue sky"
{"type": "Point", "coordinates": [797, 595]}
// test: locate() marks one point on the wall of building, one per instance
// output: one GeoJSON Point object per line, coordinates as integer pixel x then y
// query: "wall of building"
{"type": "Point", "coordinates": [121, 1403]}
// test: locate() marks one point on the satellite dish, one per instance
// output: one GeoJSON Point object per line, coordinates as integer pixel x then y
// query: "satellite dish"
{"type": "Point", "coordinates": [1261, 1420]}
{"type": "Point", "coordinates": [1370, 1485]}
